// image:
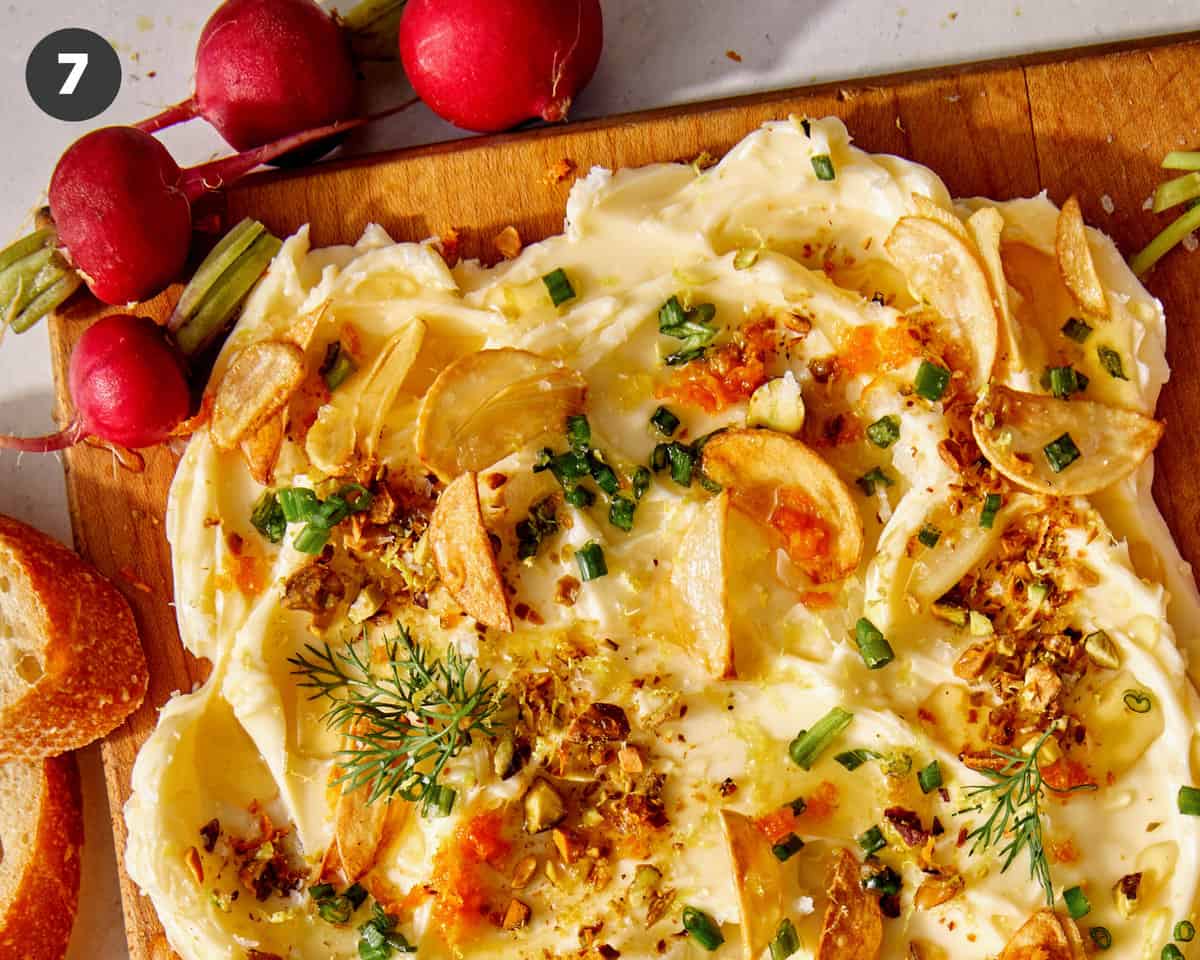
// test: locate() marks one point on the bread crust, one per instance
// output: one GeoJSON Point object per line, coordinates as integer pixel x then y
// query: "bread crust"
{"type": "Point", "coordinates": [95, 671]}
{"type": "Point", "coordinates": [36, 923]}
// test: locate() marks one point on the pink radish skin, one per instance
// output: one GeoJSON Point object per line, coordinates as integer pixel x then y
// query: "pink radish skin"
{"type": "Point", "coordinates": [122, 206]}
{"type": "Point", "coordinates": [266, 69]}
{"type": "Point", "coordinates": [128, 386]}
{"type": "Point", "coordinates": [488, 65]}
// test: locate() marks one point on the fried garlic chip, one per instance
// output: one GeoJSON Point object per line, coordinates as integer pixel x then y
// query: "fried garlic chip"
{"type": "Point", "coordinates": [486, 405]}
{"type": "Point", "coordinates": [758, 881]}
{"type": "Point", "coordinates": [852, 928]}
{"type": "Point", "coordinates": [1045, 936]}
{"type": "Point", "coordinates": [700, 589]}
{"type": "Point", "coordinates": [986, 225]}
{"type": "Point", "coordinates": [464, 557]}
{"type": "Point", "coordinates": [943, 270]}
{"type": "Point", "coordinates": [929, 209]}
{"type": "Point", "coordinates": [779, 481]}
{"type": "Point", "coordinates": [260, 449]}
{"type": "Point", "coordinates": [1075, 261]}
{"type": "Point", "coordinates": [1060, 447]}
{"type": "Point", "coordinates": [258, 384]}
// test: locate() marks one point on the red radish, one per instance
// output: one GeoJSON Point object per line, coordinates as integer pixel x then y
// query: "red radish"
{"type": "Point", "coordinates": [266, 69]}
{"type": "Point", "coordinates": [128, 386]}
{"type": "Point", "coordinates": [122, 206]}
{"type": "Point", "coordinates": [489, 65]}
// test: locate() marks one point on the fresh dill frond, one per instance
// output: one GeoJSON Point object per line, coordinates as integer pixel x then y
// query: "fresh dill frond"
{"type": "Point", "coordinates": [405, 718]}
{"type": "Point", "coordinates": [1015, 821]}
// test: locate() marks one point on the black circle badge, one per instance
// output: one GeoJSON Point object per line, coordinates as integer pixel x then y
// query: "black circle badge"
{"type": "Point", "coordinates": [73, 74]}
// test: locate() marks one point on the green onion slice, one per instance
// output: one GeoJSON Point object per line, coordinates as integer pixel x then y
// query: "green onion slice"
{"type": "Point", "coordinates": [1064, 381]}
{"type": "Point", "coordinates": [559, 287]}
{"type": "Point", "coordinates": [620, 513]}
{"type": "Point", "coordinates": [579, 432]}
{"type": "Point", "coordinates": [853, 759]}
{"type": "Point", "coordinates": [1061, 453]}
{"type": "Point", "coordinates": [1076, 330]}
{"type": "Point", "coordinates": [337, 365]}
{"type": "Point", "coordinates": [931, 381]}
{"type": "Point", "coordinates": [1077, 903]}
{"type": "Point", "coordinates": [872, 479]}
{"type": "Point", "coordinates": [876, 651]}
{"type": "Point", "coordinates": [683, 461]}
{"type": "Point", "coordinates": [579, 496]}
{"type": "Point", "coordinates": [810, 744]}
{"type": "Point", "coordinates": [823, 167]}
{"type": "Point", "coordinates": [787, 848]}
{"type": "Point", "coordinates": [887, 882]}
{"type": "Point", "coordinates": [929, 535]}
{"type": "Point", "coordinates": [641, 482]}
{"type": "Point", "coordinates": [1171, 952]}
{"type": "Point", "coordinates": [872, 841]}
{"type": "Point", "coordinates": [1100, 937]}
{"type": "Point", "coordinates": [664, 421]}
{"type": "Point", "coordinates": [1189, 801]}
{"type": "Point", "coordinates": [786, 942]}
{"type": "Point", "coordinates": [267, 517]}
{"type": "Point", "coordinates": [1138, 701]}
{"type": "Point", "coordinates": [1184, 931]}
{"type": "Point", "coordinates": [1170, 237]}
{"type": "Point", "coordinates": [702, 928]}
{"type": "Point", "coordinates": [1110, 360]}
{"type": "Point", "coordinates": [991, 506]}
{"type": "Point", "coordinates": [885, 431]}
{"type": "Point", "coordinates": [312, 538]}
{"type": "Point", "coordinates": [603, 474]}
{"type": "Point", "coordinates": [930, 777]}
{"type": "Point", "coordinates": [590, 558]}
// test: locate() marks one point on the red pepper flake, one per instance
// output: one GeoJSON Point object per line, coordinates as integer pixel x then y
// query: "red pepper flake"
{"type": "Point", "coordinates": [734, 56]}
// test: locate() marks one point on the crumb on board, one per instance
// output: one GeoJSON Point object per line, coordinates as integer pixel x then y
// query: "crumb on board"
{"type": "Point", "coordinates": [558, 171]}
{"type": "Point", "coordinates": [508, 242]}
{"type": "Point", "coordinates": [734, 56]}
{"type": "Point", "coordinates": [448, 243]}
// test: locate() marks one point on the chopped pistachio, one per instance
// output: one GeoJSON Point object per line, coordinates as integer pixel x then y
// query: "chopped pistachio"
{"type": "Point", "coordinates": [1102, 650]}
{"type": "Point", "coordinates": [981, 626]}
{"type": "Point", "coordinates": [544, 807]}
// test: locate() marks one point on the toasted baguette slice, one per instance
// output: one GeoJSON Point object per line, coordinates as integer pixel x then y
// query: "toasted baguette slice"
{"type": "Point", "coordinates": [71, 665]}
{"type": "Point", "coordinates": [41, 829]}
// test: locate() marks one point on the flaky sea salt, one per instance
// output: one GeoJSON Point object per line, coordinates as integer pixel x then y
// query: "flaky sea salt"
{"type": "Point", "coordinates": [1190, 243]}
{"type": "Point", "coordinates": [1107, 203]}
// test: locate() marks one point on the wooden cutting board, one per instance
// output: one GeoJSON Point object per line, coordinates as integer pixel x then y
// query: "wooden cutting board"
{"type": "Point", "coordinates": [1094, 123]}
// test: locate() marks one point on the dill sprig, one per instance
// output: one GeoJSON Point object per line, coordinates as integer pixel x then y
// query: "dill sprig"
{"type": "Point", "coordinates": [405, 719]}
{"type": "Point", "coordinates": [1015, 822]}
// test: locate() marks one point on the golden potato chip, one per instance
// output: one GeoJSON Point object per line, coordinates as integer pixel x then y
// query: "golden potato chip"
{"type": "Point", "coordinates": [758, 881]}
{"type": "Point", "coordinates": [358, 831]}
{"type": "Point", "coordinates": [700, 588]}
{"type": "Point", "coordinates": [944, 271]}
{"type": "Point", "coordinates": [1075, 261]}
{"type": "Point", "coordinates": [1060, 447]}
{"type": "Point", "coordinates": [852, 928]}
{"type": "Point", "coordinates": [260, 449]}
{"type": "Point", "coordinates": [463, 554]}
{"type": "Point", "coordinates": [771, 476]}
{"type": "Point", "coordinates": [1045, 936]}
{"type": "Point", "coordinates": [930, 209]}
{"type": "Point", "coordinates": [986, 225]}
{"type": "Point", "coordinates": [255, 387]}
{"type": "Point", "coordinates": [488, 404]}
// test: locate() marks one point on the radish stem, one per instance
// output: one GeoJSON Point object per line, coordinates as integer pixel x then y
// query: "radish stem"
{"type": "Point", "coordinates": [178, 113]}
{"type": "Point", "coordinates": [1182, 160]}
{"type": "Point", "coordinates": [373, 26]}
{"type": "Point", "coordinates": [1162, 244]}
{"type": "Point", "coordinates": [25, 246]}
{"type": "Point", "coordinates": [46, 299]}
{"type": "Point", "coordinates": [68, 436]}
{"type": "Point", "coordinates": [1177, 191]}
{"type": "Point", "coordinates": [223, 256]}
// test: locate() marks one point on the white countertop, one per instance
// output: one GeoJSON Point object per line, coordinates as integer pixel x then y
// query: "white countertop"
{"type": "Point", "coordinates": [657, 52]}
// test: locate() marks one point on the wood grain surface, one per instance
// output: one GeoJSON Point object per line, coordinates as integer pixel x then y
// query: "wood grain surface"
{"type": "Point", "coordinates": [1095, 123]}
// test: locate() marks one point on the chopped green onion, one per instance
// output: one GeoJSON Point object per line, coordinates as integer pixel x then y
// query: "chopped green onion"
{"type": "Point", "coordinates": [931, 381]}
{"type": "Point", "coordinates": [1110, 360]}
{"type": "Point", "coordinates": [797, 806]}
{"type": "Point", "coordinates": [541, 523]}
{"type": "Point", "coordinates": [335, 910]}
{"type": "Point", "coordinates": [702, 928]}
{"type": "Point", "coordinates": [660, 457]}
{"type": "Point", "coordinates": [356, 893]}
{"type": "Point", "coordinates": [1184, 931]}
{"type": "Point", "coordinates": [683, 462]}
{"type": "Point", "coordinates": [579, 432]}
{"type": "Point", "coordinates": [1061, 453]}
{"type": "Point", "coordinates": [590, 558]}
{"type": "Point", "coordinates": [810, 744]}
{"type": "Point", "coordinates": [1171, 952]}
{"type": "Point", "coordinates": [991, 506]}
{"type": "Point", "coordinates": [604, 475]}
{"type": "Point", "coordinates": [1189, 801]}
{"type": "Point", "coordinates": [620, 513]}
{"type": "Point", "coordinates": [1100, 937]}
{"type": "Point", "coordinates": [930, 777]}
{"type": "Point", "coordinates": [299, 504]}
{"type": "Point", "coordinates": [853, 759]}
{"type": "Point", "coordinates": [884, 432]}
{"type": "Point", "coordinates": [664, 421]}
{"type": "Point", "coordinates": [872, 479]}
{"type": "Point", "coordinates": [1182, 160]}
{"type": "Point", "coordinates": [1064, 381]}
{"type": "Point", "coordinates": [641, 482]}
{"type": "Point", "coordinates": [1166, 241]}
{"type": "Point", "coordinates": [786, 942]}
{"type": "Point", "coordinates": [1137, 701]}
{"type": "Point", "coordinates": [579, 496]}
{"type": "Point", "coordinates": [559, 287]}
{"type": "Point", "coordinates": [887, 882]}
{"type": "Point", "coordinates": [1100, 647]}
{"type": "Point", "coordinates": [929, 535]}
{"type": "Point", "coordinates": [745, 258]}
{"type": "Point", "coordinates": [321, 891]}
{"type": "Point", "coordinates": [337, 365]}
{"type": "Point", "coordinates": [876, 651]}
{"type": "Point", "coordinates": [787, 848]}
{"type": "Point", "coordinates": [267, 517]}
{"type": "Point", "coordinates": [312, 538]}
{"type": "Point", "coordinates": [823, 167]}
{"type": "Point", "coordinates": [1177, 191]}
{"type": "Point", "coordinates": [872, 841]}
{"type": "Point", "coordinates": [438, 802]}
{"type": "Point", "coordinates": [1077, 903]}
{"type": "Point", "coordinates": [1076, 330]}
{"type": "Point", "coordinates": [671, 316]}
